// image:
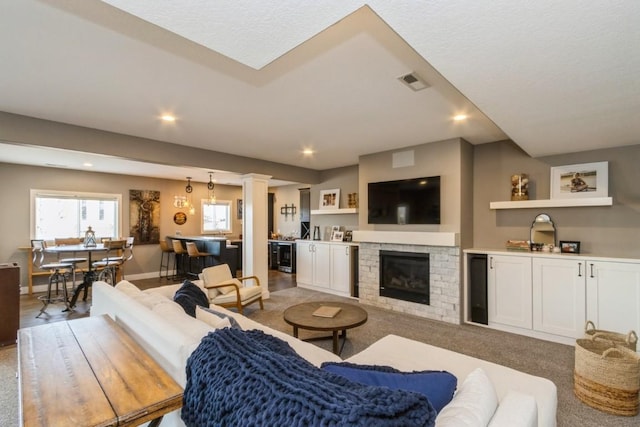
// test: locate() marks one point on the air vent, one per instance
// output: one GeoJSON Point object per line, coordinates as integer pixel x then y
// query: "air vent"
{"type": "Point", "coordinates": [413, 81]}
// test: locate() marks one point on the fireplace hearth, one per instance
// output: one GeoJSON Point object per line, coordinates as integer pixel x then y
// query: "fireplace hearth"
{"type": "Point", "coordinates": [405, 276]}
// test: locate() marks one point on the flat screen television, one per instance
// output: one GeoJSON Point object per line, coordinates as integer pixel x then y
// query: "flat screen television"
{"type": "Point", "coordinates": [406, 201]}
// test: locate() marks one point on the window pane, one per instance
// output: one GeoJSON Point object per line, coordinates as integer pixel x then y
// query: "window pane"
{"type": "Point", "coordinates": [216, 217]}
{"type": "Point", "coordinates": [60, 214]}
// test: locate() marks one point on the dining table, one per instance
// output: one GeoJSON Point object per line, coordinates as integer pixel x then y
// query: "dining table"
{"type": "Point", "coordinates": [89, 275]}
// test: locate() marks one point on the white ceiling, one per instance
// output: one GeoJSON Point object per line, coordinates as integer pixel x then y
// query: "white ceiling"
{"type": "Point", "coordinates": [266, 79]}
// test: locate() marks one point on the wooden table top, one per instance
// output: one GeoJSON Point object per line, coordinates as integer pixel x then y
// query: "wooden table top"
{"type": "Point", "coordinates": [301, 316]}
{"type": "Point", "coordinates": [90, 372]}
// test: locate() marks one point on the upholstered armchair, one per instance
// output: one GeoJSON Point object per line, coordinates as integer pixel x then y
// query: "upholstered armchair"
{"type": "Point", "coordinates": [225, 290]}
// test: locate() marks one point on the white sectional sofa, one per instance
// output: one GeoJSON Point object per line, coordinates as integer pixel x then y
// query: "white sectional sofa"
{"type": "Point", "coordinates": [519, 399]}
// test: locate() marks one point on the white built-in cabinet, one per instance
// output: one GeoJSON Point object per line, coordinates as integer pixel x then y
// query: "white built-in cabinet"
{"type": "Point", "coordinates": [551, 296]}
{"type": "Point", "coordinates": [326, 266]}
{"type": "Point", "coordinates": [509, 291]}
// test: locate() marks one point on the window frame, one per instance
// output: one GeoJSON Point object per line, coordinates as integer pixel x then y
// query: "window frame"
{"type": "Point", "coordinates": [206, 202]}
{"type": "Point", "coordinates": [82, 195]}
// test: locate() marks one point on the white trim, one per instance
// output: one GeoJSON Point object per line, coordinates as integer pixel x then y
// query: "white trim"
{"type": "Point", "coordinates": [408, 237]}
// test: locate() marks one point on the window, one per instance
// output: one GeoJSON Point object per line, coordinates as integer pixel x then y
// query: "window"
{"type": "Point", "coordinates": [216, 217]}
{"type": "Point", "coordinates": [69, 214]}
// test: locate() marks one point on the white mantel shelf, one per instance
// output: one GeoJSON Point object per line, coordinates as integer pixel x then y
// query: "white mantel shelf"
{"type": "Point", "coordinates": [553, 203]}
{"type": "Point", "coordinates": [334, 211]}
{"type": "Point", "coordinates": [407, 237]}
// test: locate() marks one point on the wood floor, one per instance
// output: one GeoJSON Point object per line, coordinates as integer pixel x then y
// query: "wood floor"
{"type": "Point", "coordinates": [30, 305]}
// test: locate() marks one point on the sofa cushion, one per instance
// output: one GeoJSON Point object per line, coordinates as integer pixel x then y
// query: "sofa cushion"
{"type": "Point", "coordinates": [516, 409]}
{"type": "Point", "coordinates": [473, 405]}
{"type": "Point", "coordinates": [128, 288]}
{"type": "Point", "coordinates": [215, 319]}
{"type": "Point", "coordinates": [189, 296]}
{"type": "Point", "coordinates": [437, 386]}
{"type": "Point", "coordinates": [192, 328]}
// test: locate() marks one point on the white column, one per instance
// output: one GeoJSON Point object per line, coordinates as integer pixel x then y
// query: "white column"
{"type": "Point", "coordinates": [255, 251]}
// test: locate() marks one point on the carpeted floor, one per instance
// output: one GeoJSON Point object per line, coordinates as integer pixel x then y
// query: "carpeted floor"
{"type": "Point", "coordinates": [550, 360]}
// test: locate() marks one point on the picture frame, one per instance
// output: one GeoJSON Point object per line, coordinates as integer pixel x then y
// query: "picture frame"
{"type": "Point", "coordinates": [583, 180]}
{"type": "Point", "coordinates": [569, 247]}
{"type": "Point", "coordinates": [330, 199]}
{"type": "Point", "coordinates": [337, 236]}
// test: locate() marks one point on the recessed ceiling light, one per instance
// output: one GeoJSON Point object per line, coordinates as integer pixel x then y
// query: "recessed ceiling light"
{"type": "Point", "coordinates": [307, 151]}
{"type": "Point", "coordinates": [460, 117]}
{"type": "Point", "coordinates": [87, 164]}
{"type": "Point", "coordinates": [168, 118]}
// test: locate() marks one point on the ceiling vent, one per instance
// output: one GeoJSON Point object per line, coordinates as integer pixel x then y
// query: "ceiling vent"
{"type": "Point", "coordinates": [414, 81]}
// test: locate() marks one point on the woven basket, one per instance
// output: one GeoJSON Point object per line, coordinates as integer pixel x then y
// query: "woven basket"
{"type": "Point", "coordinates": [607, 376]}
{"type": "Point", "coordinates": [629, 340]}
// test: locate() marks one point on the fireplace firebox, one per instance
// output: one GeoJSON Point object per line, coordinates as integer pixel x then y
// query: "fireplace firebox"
{"type": "Point", "coordinates": [405, 276]}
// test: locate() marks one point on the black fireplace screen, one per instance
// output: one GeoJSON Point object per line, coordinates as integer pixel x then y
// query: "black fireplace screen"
{"type": "Point", "coordinates": [405, 276]}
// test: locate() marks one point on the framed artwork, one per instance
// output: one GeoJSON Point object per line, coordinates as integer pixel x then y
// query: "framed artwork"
{"type": "Point", "coordinates": [330, 199]}
{"type": "Point", "coordinates": [144, 216]}
{"type": "Point", "coordinates": [337, 236]}
{"type": "Point", "coordinates": [239, 208]}
{"type": "Point", "coordinates": [580, 181]}
{"type": "Point", "coordinates": [568, 247]}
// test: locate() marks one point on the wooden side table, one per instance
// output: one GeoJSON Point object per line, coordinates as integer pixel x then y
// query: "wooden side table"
{"type": "Point", "coordinates": [301, 316]}
{"type": "Point", "coordinates": [90, 372]}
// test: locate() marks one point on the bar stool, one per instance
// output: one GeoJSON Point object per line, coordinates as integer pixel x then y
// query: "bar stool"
{"type": "Point", "coordinates": [74, 261]}
{"type": "Point", "coordinates": [165, 250]}
{"type": "Point", "coordinates": [58, 274]}
{"type": "Point", "coordinates": [193, 252]}
{"type": "Point", "coordinates": [180, 254]}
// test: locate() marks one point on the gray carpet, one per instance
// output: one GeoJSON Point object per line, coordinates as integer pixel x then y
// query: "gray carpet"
{"type": "Point", "coordinates": [550, 360]}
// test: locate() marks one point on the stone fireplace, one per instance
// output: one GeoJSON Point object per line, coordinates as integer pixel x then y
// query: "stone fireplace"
{"type": "Point", "coordinates": [444, 271]}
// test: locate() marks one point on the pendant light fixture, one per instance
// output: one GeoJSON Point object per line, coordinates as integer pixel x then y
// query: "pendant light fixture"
{"type": "Point", "coordinates": [211, 187]}
{"type": "Point", "coordinates": [189, 203]}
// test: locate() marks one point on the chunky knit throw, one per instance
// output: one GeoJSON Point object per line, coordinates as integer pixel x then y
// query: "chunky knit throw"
{"type": "Point", "coordinates": [249, 378]}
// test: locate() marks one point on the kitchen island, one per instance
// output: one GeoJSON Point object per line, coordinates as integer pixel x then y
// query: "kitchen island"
{"type": "Point", "coordinates": [217, 246]}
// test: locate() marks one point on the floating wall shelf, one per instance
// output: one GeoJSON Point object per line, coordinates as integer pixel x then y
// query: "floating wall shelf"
{"type": "Point", "coordinates": [334, 211]}
{"type": "Point", "coordinates": [554, 203]}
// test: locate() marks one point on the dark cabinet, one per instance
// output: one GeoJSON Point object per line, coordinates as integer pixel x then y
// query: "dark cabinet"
{"type": "Point", "coordinates": [9, 303]}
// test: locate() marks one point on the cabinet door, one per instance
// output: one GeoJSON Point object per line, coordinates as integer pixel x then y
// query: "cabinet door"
{"type": "Point", "coordinates": [341, 272]}
{"type": "Point", "coordinates": [322, 265]}
{"type": "Point", "coordinates": [509, 290]}
{"type": "Point", "coordinates": [613, 295]}
{"type": "Point", "coordinates": [304, 262]}
{"type": "Point", "coordinates": [559, 296]}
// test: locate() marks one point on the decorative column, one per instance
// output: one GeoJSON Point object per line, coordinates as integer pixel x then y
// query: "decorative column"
{"type": "Point", "coordinates": [255, 251]}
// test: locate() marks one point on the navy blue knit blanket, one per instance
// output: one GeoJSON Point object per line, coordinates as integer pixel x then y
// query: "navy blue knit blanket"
{"type": "Point", "coordinates": [249, 378]}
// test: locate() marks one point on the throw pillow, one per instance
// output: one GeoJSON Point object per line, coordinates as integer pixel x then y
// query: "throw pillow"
{"type": "Point", "coordinates": [516, 409]}
{"type": "Point", "coordinates": [437, 386]}
{"type": "Point", "coordinates": [215, 319]}
{"type": "Point", "coordinates": [473, 405]}
{"type": "Point", "coordinates": [226, 289]}
{"type": "Point", "coordinates": [189, 296]}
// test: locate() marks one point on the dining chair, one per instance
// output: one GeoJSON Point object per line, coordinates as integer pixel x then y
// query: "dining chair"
{"type": "Point", "coordinates": [110, 264]}
{"type": "Point", "coordinates": [58, 275]}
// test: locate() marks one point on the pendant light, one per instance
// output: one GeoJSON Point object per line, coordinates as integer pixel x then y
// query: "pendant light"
{"type": "Point", "coordinates": [211, 187]}
{"type": "Point", "coordinates": [189, 203]}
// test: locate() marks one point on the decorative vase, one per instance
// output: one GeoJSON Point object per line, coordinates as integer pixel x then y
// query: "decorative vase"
{"type": "Point", "coordinates": [520, 187]}
{"type": "Point", "coordinates": [90, 238]}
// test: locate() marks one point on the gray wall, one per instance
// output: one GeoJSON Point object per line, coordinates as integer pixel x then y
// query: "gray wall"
{"type": "Point", "coordinates": [603, 231]}
{"type": "Point", "coordinates": [15, 214]}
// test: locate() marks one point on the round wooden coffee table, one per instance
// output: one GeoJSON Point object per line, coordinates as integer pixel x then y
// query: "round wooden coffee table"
{"type": "Point", "coordinates": [301, 316]}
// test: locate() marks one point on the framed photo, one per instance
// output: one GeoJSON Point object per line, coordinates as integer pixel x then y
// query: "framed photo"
{"type": "Point", "coordinates": [567, 247]}
{"type": "Point", "coordinates": [337, 236]}
{"type": "Point", "coordinates": [580, 181]}
{"type": "Point", "coordinates": [239, 208]}
{"type": "Point", "coordinates": [330, 199]}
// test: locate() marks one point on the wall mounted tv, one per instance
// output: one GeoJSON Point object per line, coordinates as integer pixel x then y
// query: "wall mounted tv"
{"type": "Point", "coordinates": [407, 201]}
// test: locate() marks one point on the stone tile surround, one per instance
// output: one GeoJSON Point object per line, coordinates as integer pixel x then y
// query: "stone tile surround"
{"type": "Point", "coordinates": [444, 280]}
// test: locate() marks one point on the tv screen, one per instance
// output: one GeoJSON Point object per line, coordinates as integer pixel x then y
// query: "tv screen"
{"type": "Point", "coordinates": [407, 201]}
